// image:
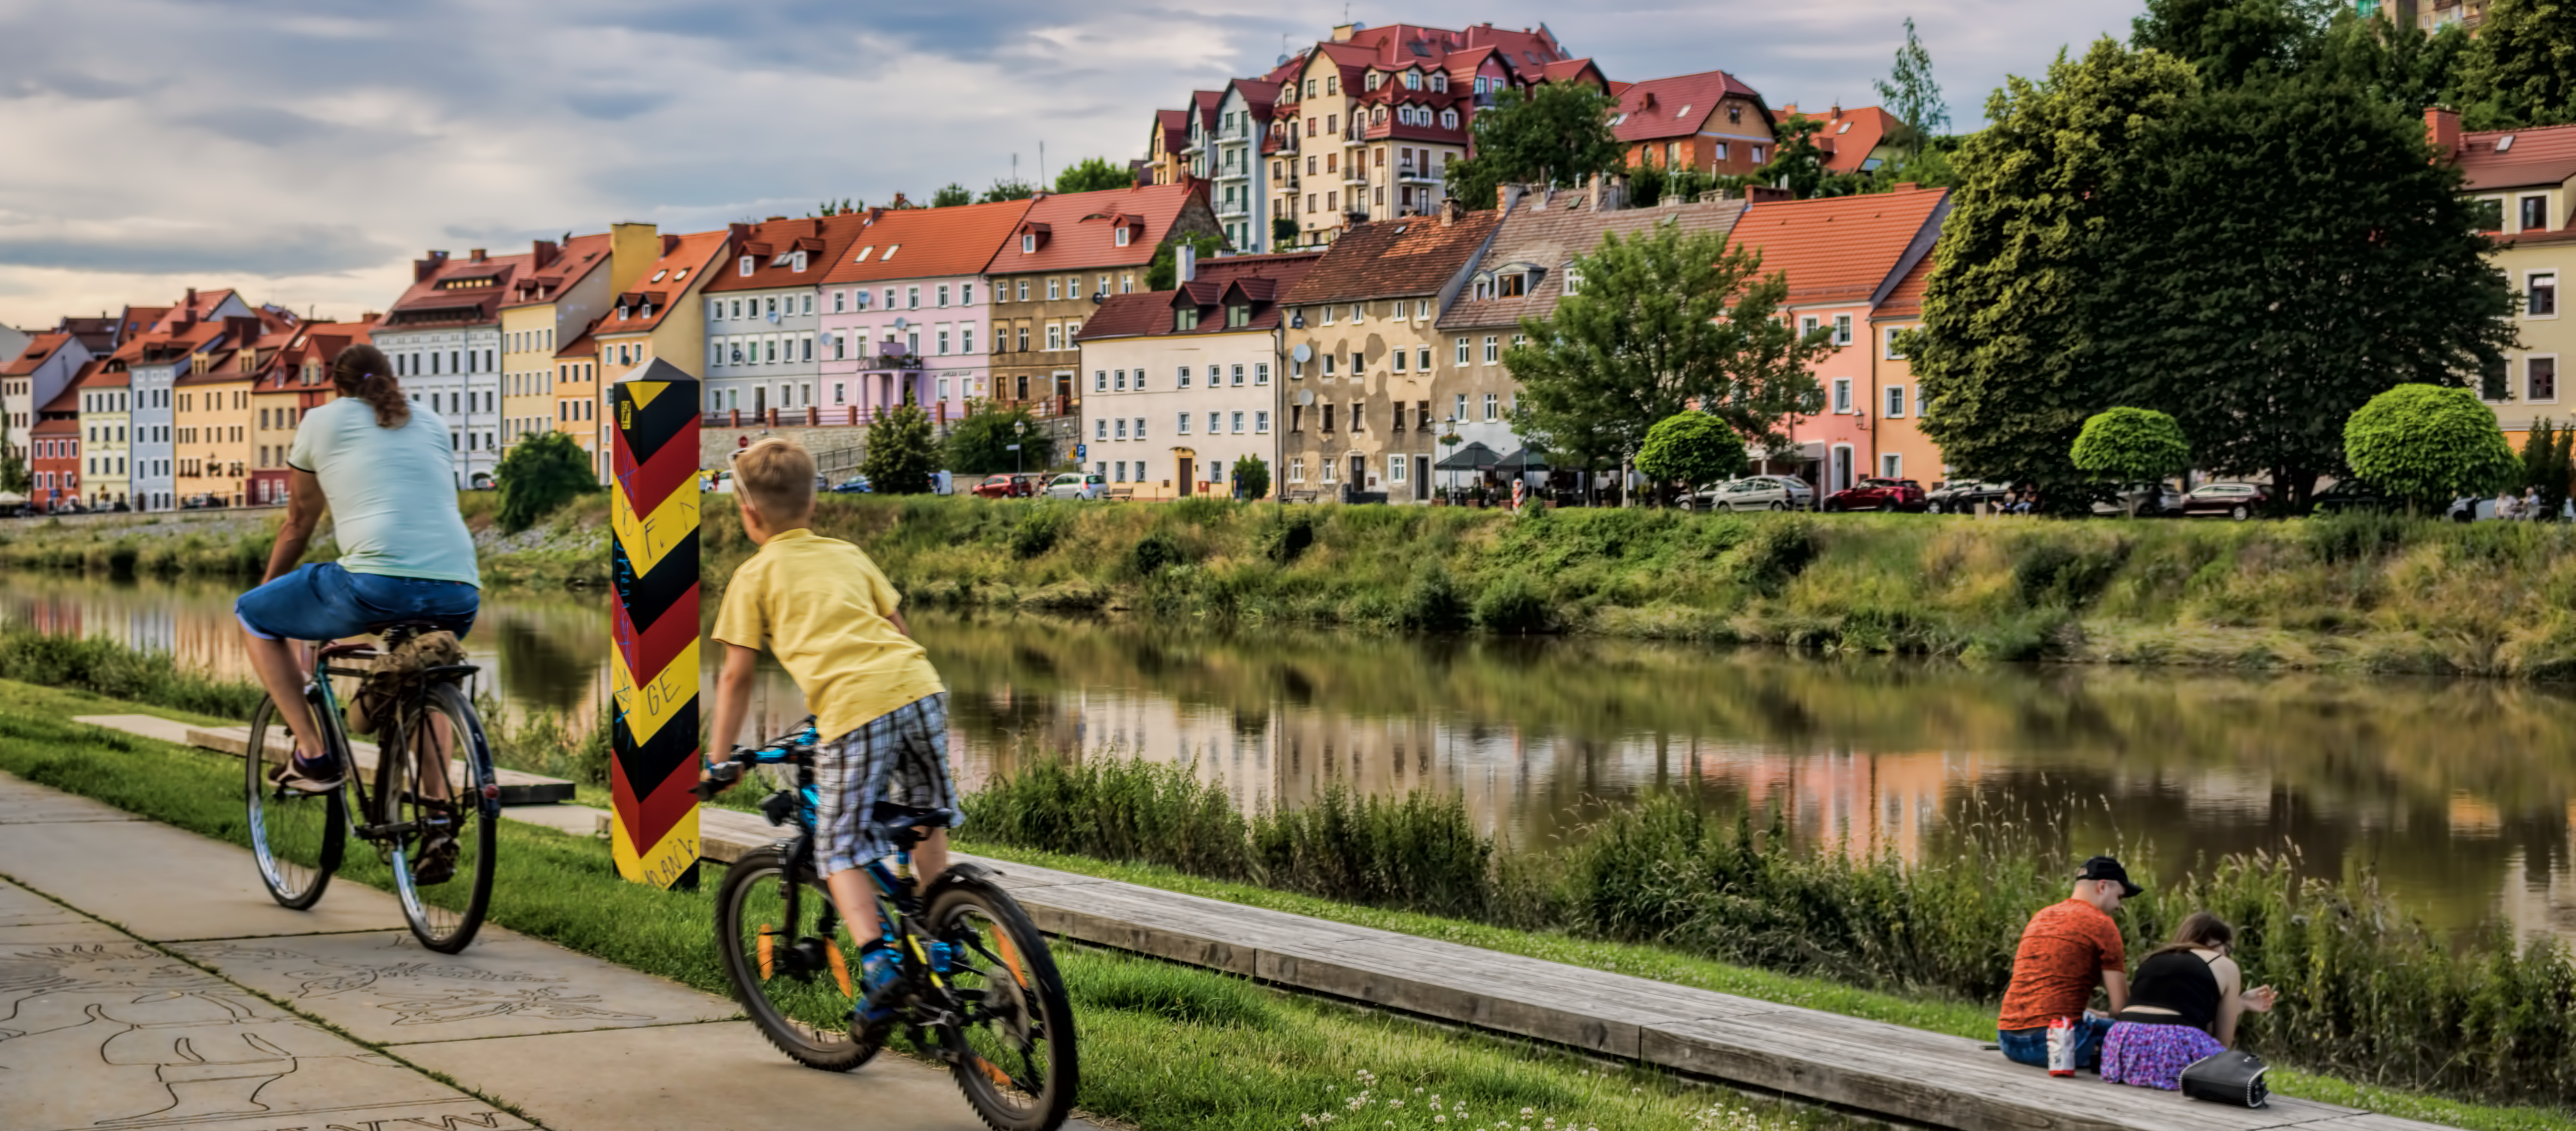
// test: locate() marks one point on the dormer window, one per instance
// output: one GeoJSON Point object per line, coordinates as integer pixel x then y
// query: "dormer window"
{"type": "Point", "coordinates": [1028, 243]}
{"type": "Point", "coordinates": [1439, 81]}
{"type": "Point", "coordinates": [744, 266]}
{"type": "Point", "coordinates": [797, 264]}
{"type": "Point", "coordinates": [1371, 82]}
{"type": "Point", "coordinates": [1123, 234]}
{"type": "Point", "coordinates": [1573, 279]}
{"type": "Point", "coordinates": [1238, 316]}
{"type": "Point", "coordinates": [1185, 318]}
{"type": "Point", "coordinates": [1449, 119]}
{"type": "Point", "coordinates": [1735, 114]}
{"type": "Point", "coordinates": [1412, 80]}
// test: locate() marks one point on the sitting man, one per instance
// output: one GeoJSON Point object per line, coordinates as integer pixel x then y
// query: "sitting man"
{"type": "Point", "coordinates": [2067, 949]}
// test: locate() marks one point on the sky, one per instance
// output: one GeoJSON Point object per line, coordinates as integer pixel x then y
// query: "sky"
{"type": "Point", "coordinates": [305, 151]}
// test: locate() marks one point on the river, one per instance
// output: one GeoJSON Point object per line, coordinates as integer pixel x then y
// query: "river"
{"type": "Point", "coordinates": [2458, 792]}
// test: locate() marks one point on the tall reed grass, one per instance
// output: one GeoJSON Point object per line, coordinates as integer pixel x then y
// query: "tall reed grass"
{"type": "Point", "coordinates": [2367, 992]}
{"type": "Point", "coordinates": [106, 667]}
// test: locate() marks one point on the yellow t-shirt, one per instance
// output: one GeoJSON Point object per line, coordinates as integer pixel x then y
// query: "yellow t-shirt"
{"type": "Point", "coordinates": [821, 606]}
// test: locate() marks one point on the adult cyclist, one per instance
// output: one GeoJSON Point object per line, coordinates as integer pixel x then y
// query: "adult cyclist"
{"type": "Point", "coordinates": [387, 475]}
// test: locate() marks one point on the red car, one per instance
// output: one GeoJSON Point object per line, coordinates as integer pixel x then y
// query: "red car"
{"type": "Point", "coordinates": [1006, 487]}
{"type": "Point", "coordinates": [1878, 495]}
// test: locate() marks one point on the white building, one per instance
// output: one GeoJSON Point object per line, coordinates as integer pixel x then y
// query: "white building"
{"type": "Point", "coordinates": [1183, 383]}
{"type": "Point", "coordinates": [444, 338]}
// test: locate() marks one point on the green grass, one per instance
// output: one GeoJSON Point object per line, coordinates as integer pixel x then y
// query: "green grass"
{"type": "Point", "coordinates": [1163, 1046]}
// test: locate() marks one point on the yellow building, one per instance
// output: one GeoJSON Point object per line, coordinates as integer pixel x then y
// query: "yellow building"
{"type": "Point", "coordinates": [212, 424]}
{"type": "Point", "coordinates": [2520, 179]}
{"type": "Point", "coordinates": [657, 315]}
{"type": "Point", "coordinates": [548, 306]}
{"type": "Point", "coordinates": [106, 411]}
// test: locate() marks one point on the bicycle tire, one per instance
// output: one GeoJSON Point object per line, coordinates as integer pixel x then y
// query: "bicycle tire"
{"type": "Point", "coordinates": [295, 838]}
{"type": "Point", "coordinates": [476, 801]}
{"type": "Point", "coordinates": [793, 1009]}
{"type": "Point", "coordinates": [1032, 1000]}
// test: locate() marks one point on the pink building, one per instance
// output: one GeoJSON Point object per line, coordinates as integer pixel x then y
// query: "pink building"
{"type": "Point", "coordinates": [907, 311]}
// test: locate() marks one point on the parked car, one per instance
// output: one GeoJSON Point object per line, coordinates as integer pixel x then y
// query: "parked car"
{"type": "Point", "coordinates": [1757, 493]}
{"type": "Point", "coordinates": [854, 485]}
{"type": "Point", "coordinates": [1964, 496]}
{"type": "Point", "coordinates": [2238, 501]}
{"type": "Point", "coordinates": [1006, 487]}
{"type": "Point", "coordinates": [2354, 495]}
{"type": "Point", "coordinates": [2150, 500]}
{"type": "Point", "coordinates": [1071, 485]}
{"type": "Point", "coordinates": [1878, 495]}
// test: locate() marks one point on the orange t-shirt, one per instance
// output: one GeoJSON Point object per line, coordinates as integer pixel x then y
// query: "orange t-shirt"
{"type": "Point", "coordinates": [2063, 953]}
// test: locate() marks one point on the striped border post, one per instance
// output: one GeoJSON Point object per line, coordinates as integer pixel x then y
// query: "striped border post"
{"type": "Point", "coordinates": [653, 769]}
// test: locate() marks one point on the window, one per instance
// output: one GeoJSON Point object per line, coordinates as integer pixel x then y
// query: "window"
{"type": "Point", "coordinates": [1055, 288]}
{"type": "Point", "coordinates": [1140, 428]}
{"type": "Point", "coordinates": [1422, 359]}
{"type": "Point", "coordinates": [1399, 359]}
{"type": "Point", "coordinates": [2541, 294]}
{"type": "Point", "coordinates": [2535, 213]}
{"type": "Point", "coordinates": [966, 294]}
{"type": "Point", "coordinates": [912, 298]}
{"type": "Point", "coordinates": [1100, 429]}
{"type": "Point", "coordinates": [1024, 290]}
{"type": "Point", "coordinates": [1842, 329]}
{"type": "Point", "coordinates": [1055, 336]}
{"type": "Point", "coordinates": [943, 294]}
{"type": "Point", "coordinates": [1122, 428]}
{"type": "Point", "coordinates": [1119, 381]}
{"type": "Point", "coordinates": [1895, 402]}
{"type": "Point", "coordinates": [1808, 325]}
{"type": "Point", "coordinates": [1260, 373]}
{"type": "Point", "coordinates": [2541, 379]}
{"type": "Point", "coordinates": [1893, 354]}
{"type": "Point", "coordinates": [1891, 465]}
{"type": "Point", "coordinates": [743, 267]}
{"type": "Point", "coordinates": [1121, 235]}
{"type": "Point", "coordinates": [1297, 469]}
{"type": "Point", "coordinates": [1842, 394]}
{"type": "Point", "coordinates": [715, 308]}
{"type": "Point", "coordinates": [943, 341]}
{"type": "Point", "coordinates": [840, 301]}
{"type": "Point", "coordinates": [1181, 425]}
{"type": "Point", "coordinates": [966, 338]}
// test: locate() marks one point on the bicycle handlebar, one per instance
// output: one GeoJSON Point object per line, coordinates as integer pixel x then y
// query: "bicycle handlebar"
{"type": "Point", "coordinates": [720, 776]}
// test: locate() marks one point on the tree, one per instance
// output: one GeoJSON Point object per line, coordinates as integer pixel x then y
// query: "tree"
{"type": "Point", "coordinates": [2521, 70]}
{"type": "Point", "coordinates": [2549, 464]}
{"type": "Point", "coordinates": [827, 208]}
{"type": "Point", "coordinates": [2428, 445]}
{"type": "Point", "coordinates": [1008, 190]}
{"type": "Point", "coordinates": [1692, 448]}
{"type": "Point", "coordinates": [13, 468]}
{"type": "Point", "coordinates": [1665, 321]}
{"type": "Point", "coordinates": [1910, 91]}
{"type": "Point", "coordinates": [539, 474]}
{"type": "Point", "coordinates": [981, 443]}
{"type": "Point", "coordinates": [1163, 272]}
{"type": "Point", "coordinates": [2231, 41]}
{"type": "Point", "coordinates": [1797, 162]}
{"type": "Point", "coordinates": [2132, 445]}
{"type": "Point", "coordinates": [1092, 174]}
{"type": "Point", "coordinates": [901, 455]}
{"type": "Point", "coordinates": [2361, 256]}
{"type": "Point", "coordinates": [1283, 230]}
{"type": "Point", "coordinates": [2006, 354]}
{"type": "Point", "coordinates": [1557, 133]}
{"type": "Point", "coordinates": [1251, 478]}
{"type": "Point", "coordinates": [951, 196]}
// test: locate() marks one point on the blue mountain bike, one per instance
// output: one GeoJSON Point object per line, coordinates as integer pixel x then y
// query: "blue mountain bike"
{"type": "Point", "coordinates": [976, 985]}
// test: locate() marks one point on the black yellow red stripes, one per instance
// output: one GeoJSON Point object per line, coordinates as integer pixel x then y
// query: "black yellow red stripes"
{"type": "Point", "coordinates": [654, 668]}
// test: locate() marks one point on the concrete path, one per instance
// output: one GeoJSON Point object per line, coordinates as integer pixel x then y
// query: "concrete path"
{"type": "Point", "coordinates": [147, 981]}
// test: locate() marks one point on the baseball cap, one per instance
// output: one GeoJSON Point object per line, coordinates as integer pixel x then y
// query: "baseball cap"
{"type": "Point", "coordinates": [2106, 868]}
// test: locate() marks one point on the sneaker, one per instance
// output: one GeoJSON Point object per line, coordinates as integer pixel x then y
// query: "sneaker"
{"type": "Point", "coordinates": [438, 847]}
{"type": "Point", "coordinates": [309, 775]}
{"type": "Point", "coordinates": [878, 972]}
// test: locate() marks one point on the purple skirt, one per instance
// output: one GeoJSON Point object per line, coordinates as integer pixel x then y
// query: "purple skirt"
{"type": "Point", "coordinates": [2153, 1056]}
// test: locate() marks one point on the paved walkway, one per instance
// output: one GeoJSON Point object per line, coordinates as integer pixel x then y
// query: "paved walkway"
{"type": "Point", "coordinates": [104, 1026]}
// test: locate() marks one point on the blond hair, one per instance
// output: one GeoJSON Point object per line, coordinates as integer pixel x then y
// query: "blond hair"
{"type": "Point", "coordinates": [777, 476]}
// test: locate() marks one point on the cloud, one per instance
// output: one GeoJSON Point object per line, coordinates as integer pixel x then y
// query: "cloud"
{"type": "Point", "coordinates": [157, 248]}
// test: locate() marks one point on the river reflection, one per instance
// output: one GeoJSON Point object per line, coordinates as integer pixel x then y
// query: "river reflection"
{"type": "Point", "coordinates": [2458, 792]}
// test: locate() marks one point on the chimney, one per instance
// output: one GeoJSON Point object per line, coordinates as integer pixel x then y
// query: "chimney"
{"type": "Point", "coordinates": [1185, 262]}
{"type": "Point", "coordinates": [1507, 195]}
{"type": "Point", "coordinates": [421, 269]}
{"type": "Point", "coordinates": [1759, 194]}
{"type": "Point", "coordinates": [2442, 132]}
{"type": "Point", "coordinates": [771, 219]}
{"type": "Point", "coordinates": [191, 304]}
{"type": "Point", "coordinates": [1452, 210]}
{"type": "Point", "coordinates": [242, 331]}
{"type": "Point", "coordinates": [369, 317]}
{"type": "Point", "coordinates": [544, 252]}
{"type": "Point", "coordinates": [671, 241]}
{"type": "Point", "coordinates": [875, 214]}
{"type": "Point", "coordinates": [476, 256]}
{"type": "Point", "coordinates": [899, 202]}
{"type": "Point", "coordinates": [736, 235]}
{"type": "Point", "coordinates": [1342, 32]}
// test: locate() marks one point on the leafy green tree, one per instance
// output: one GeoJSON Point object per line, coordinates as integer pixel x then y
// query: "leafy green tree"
{"type": "Point", "coordinates": [1283, 230]}
{"type": "Point", "coordinates": [1694, 449]}
{"type": "Point", "coordinates": [981, 443]}
{"type": "Point", "coordinates": [1251, 477]}
{"type": "Point", "coordinates": [1092, 174]}
{"type": "Point", "coordinates": [1910, 92]}
{"type": "Point", "coordinates": [1163, 272]}
{"type": "Point", "coordinates": [2521, 69]}
{"type": "Point", "coordinates": [827, 208]}
{"type": "Point", "coordinates": [1008, 190]}
{"type": "Point", "coordinates": [2231, 41]}
{"type": "Point", "coordinates": [2006, 355]}
{"type": "Point", "coordinates": [1665, 321]}
{"type": "Point", "coordinates": [14, 475]}
{"type": "Point", "coordinates": [901, 454]}
{"type": "Point", "coordinates": [2428, 445]}
{"type": "Point", "coordinates": [1559, 133]}
{"type": "Point", "coordinates": [951, 196]}
{"type": "Point", "coordinates": [2365, 258]}
{"type": "Point", "coordinates": [539, 474]}
{"type": "Point", "coordinates": [2549, 464]}
{"type": "Point", "coordinates": [2131, 445]}
{"type": "Point", "coordinates": [1797, 162]}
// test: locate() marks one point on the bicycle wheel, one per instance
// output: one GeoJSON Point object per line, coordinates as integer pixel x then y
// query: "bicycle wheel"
{"type": "Point", "coordinates": [1013, 1041]}
{"type": "Point", "coordinates": [295, 837]}
{"type": "Point", "coordinates": [796, 984]}
{"type": "Point", "coordinates": [444, 890]}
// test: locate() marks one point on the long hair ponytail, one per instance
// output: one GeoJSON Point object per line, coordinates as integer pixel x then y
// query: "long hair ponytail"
{"type": "Point", "coordinates": [364, 372]}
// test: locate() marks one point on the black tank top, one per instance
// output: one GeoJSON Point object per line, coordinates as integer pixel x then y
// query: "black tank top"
{"type": "Point", "coordinates": [2180, 981]}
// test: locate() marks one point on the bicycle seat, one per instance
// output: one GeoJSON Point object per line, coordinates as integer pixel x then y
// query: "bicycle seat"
{"type": "Point", "coordinates": [895, 818]}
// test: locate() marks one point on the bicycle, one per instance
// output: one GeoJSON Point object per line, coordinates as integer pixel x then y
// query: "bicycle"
{"type": "Point", "coordinates": [974, 973]}
{"type": "Point", "coordinates": [299, 838]}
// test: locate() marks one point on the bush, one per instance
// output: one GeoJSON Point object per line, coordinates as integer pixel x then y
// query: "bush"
{"type": "Point", "coordinates": [1038, 529]}
{"type": "Point", "coordinates": [1251, 478]}
{"type": "Point", "coordinates": [1288, 538]}
{"type": "Point", "coordinates": [1154, 553]}
{"type": "Point", "coordinates": [900, 455]}
{"type": "Point", "coordinates": [2428, 445]}
{"type": "Point", "coordinates": [981, 443]}
{"type": "Point", "coordinates": [2132, 445]}
{"type": "Point", "coordinates": [1692, 448]}
{"type": "Point", "coordinates": [1512, 605]}
{"type": "Point", "coordinates": [539, 475]}
{"type": "Point", "coordinates": [1432, 604]}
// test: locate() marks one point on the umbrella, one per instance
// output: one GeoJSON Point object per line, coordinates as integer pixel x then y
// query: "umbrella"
{"type": "Point", "coordinates": [11, 498]}
{"type": "Point", "coordinates": [1473, 457]}
{"type": "Point", "coordinates": [1521, 460]}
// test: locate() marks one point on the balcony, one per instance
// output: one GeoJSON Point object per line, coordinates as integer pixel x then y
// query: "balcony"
{"type": "Point", "coordinates": [1234, 209]}
{"type": "Point", "coordinates": [1421, 176]}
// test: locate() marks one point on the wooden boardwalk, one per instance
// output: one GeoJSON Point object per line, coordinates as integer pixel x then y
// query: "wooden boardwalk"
{"type": "Point", "coordinates": [1890, 1071]}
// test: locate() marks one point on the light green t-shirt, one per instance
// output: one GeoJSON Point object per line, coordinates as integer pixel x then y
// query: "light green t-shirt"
{"type": "Point", "coordinates": [392, 491]}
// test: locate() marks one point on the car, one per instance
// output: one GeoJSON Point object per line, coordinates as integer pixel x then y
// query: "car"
{"type": "Point", "coordinates": [1757, 493]}
{"type": "Point", "coordinates": [2239, 501]}
{"type": "Point", "coordinates": [1072, 485]}
{"type": "Point", "coordinates": [1005, 487]}
{"type": "Point", "coordinates": [1964, 496]}
{"type": "Point", "coordinates": [1876, 494]}
{"type": "Point", "coordinates": [2149, 500]}
{"type": "Point", "coordinates": [854, 485]}
{"type": "Point", "coordinates": [2354, 495]}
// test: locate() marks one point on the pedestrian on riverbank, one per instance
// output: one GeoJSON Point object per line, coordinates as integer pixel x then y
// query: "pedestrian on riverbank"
{"type": "Point", "coordinates": [835, 623]}
{"type": "Point", "coordinates": [2068, 948]}
{"type": "Point", "coordinates": [2185, 1005]}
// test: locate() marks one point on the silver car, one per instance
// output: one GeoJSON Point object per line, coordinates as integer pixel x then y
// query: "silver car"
{"type": "Point", "coordinates": [1758, 493]}
{"type": "Point", "coordinates": [2152, 500]}
{"type": "Point", "coordinates": [1072, 485]}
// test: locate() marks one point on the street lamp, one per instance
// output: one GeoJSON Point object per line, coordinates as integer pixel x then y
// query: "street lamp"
{"type": "Point", "coordinates": [1019, 431]}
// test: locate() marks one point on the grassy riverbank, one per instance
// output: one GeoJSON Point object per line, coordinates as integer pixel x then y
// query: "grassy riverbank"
{"type": "Point", "coordinates": [570, 547]}
{"type": "Point", "coordinates": [1163, 1046]}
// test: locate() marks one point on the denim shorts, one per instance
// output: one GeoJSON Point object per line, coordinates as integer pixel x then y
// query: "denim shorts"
{"type": "Point", "coordinates": [326, 602]}
{"type": "Point", "coordinates": [2030, 1046]}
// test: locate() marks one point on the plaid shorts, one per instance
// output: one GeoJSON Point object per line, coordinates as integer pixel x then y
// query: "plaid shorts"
{"type": "Point", "coordinates": [900, 756]}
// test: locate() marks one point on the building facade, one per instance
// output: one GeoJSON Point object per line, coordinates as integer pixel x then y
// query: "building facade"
{"type": "Point", "coordinates": [1711, 122]}
{"type": "Point", "coordinates": [35, 376]}
{"type": "Point", "coordinates": [1067, 255]}
{"type": "Point", "coordinates": [1184, 382]}
{"type": "Point", "coordinates": [765, 346]}
{"type": "Point", "coordinates": [1364, 346]}
{"type": "Point", "coordinates": [444, 337]}
{"type": "Point", "coordinates": [659, 315]}
{"type": "Point", "coordinates": [106, 413]}
{"type": "Point", "coordinates": [157, 355]}
{"type": "Point", "coordinates": [1227, 154]}
{"type": "Point", "coordinates": [54, 449]}
{"type": "Point", "coordinates": [213, 425]}
{"type": "Point", "coordinates": [2524, 183]}
{"type": "Point", "coordinates": [908, 309]}
{"type": "Point", "coordinates": [563, 288]}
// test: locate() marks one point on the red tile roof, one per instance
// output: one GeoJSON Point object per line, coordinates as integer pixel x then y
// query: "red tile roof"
{"type": "Point", "coordinates": [452, 291]}
{"type": "Point", "coordinates": [1416, 255]}
{"type": "Point", "coordinates": [61, 415]}
{"type": "Point", "coordinates": [39, 348]}
{"type": "Point", "coordinates": [1175, 127]}
{"type": "Point", "coordinates": [1848, 136]}
{"type": "Point", "coordinates": [1547, 238]}
{"type": "Point", "coordinates": [1259, 279]}
{"type": "Point", "coordinates": [198, 305]}
{"type": "Point", "coordinates": [657, 292]}
{"type": "Point", "coordinates": [583, 344]}
{"type": "Point", "coordinates": [1204, 101]}
{"type": "Point", "coordinates": [915, 243]}
{"type": "Point", "coordinates": [1074, 228]}
{"type": "Point", "coordinates": [1843, 248]}
{"type": "Point", "coordinates": [1906, 301]}
{"type": "Point", "coordinates": [555, 268]}
{"type": "Point", "coordinates": [97, 375]}
{"type": "Point", "coordinates": [772, 247]}
{"type": "Point", "coordinates": [1654, 109]}
{"type": "Point", "coordinates": [2543, 155]}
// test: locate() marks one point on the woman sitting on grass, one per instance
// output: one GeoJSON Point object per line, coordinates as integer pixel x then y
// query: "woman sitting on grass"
{"type": "Point", "coordinates": [2183, 1006]}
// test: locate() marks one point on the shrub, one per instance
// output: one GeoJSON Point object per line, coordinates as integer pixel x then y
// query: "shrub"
{"type": "Point", "coordinates": [2428, 445]}
{"type": "Point", "coordinates": [1154, 553]}
{"type": "Point", "coordinates": [1432, 604]}
{"type": "Point", "coordinates": [900, 454]}
{"type": "Point", "coordinates": [1289, 538]}
{"type": "Point", "coordinates": [1251, 478]}
{"type": "Point", "coordinates": [1038, 529]}
{"type": "Point", "coordinates": [538, 476]}
{"type": "Point", "coordinates": [1512, 605]}
{"type": "Point", "coordinates": [1693, 448]}
{"type": "Point", "coordinates": [981, 442]}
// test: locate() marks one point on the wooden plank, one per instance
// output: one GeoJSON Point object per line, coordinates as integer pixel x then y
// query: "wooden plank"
{"type": "Point", "coordinates": [517, 788]}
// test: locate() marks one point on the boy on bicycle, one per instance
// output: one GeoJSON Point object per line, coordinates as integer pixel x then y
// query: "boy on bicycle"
{"type": "Point", "coordinates": [821, 606]}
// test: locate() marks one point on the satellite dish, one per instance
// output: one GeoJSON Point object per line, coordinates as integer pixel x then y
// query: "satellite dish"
{"type": "Point", "coordinates": [900, 324]}
{"type": "Point", "coordinates": [1303, 353]}
{"type": "Point", "coordinates": [1305, 396]}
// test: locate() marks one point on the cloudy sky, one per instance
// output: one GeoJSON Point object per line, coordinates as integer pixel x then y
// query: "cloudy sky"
{"type": "Point", "coordinates": [304, 151]}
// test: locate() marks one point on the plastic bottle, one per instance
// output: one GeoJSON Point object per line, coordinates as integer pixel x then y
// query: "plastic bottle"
{"type": "Point", "coordinates": [2061, 1047]}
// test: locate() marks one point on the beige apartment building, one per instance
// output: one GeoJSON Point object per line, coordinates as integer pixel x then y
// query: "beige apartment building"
{"type": "Point", "coordinates": [1066, 257]}
{"type": "Point", "coordinates": [2522, 181]}
{"type": "Point", "coordinates": [562, 290]}
{"type": "Point", "coordinates": [1364, 350]}
{"type": "Point", "coordinates": [1184, 382]}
